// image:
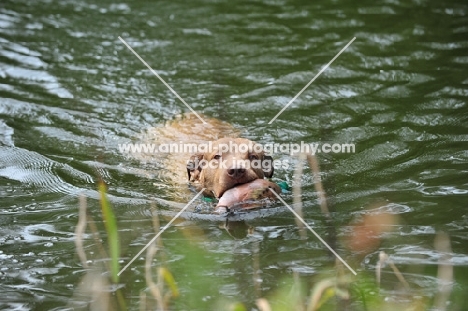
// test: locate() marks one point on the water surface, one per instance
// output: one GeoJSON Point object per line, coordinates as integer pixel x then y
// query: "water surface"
{"type": "Point", "coordinates": [71, 92]}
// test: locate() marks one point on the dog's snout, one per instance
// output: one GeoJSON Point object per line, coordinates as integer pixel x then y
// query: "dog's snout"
{"type": "Point", "coordinates": [225, 169]}
{"type": "Point", "coordinates": [236, 172]}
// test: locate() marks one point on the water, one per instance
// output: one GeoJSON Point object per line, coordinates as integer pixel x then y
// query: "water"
{"type": "Point", "coordinates": [71, 92]}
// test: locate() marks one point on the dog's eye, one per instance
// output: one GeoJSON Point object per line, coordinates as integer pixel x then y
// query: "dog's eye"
{"type": "Point", "coordinates": [253, 157]}
{"type": "Point", "coordinates": [217, 157]}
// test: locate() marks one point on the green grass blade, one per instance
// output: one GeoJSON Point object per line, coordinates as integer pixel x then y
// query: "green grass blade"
{"type": "Point", "coordinates": [112, 235]}
{"type": "Point", "coordinates": [169, 279]}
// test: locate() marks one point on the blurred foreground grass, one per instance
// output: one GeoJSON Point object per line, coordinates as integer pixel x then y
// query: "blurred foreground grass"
{"type": "Point", "coordinates": [332, 289]}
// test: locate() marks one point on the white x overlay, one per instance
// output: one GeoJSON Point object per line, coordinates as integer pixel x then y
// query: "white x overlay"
{"type": "Point", "coordinates": [271, 121]}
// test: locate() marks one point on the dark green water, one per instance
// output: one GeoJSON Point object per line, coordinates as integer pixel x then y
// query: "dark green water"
{"type": "Point", "coordinates": [70, 92]}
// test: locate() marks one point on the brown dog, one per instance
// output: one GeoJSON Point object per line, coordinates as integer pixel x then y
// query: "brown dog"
{"type": "Point", "coordinates": [216, 170]}
{"type": "Point", "coordinates": [231, 162]}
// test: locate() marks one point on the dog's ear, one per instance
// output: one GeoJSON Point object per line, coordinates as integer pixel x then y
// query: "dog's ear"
{"type": "Point", "coordinates": [194, 166]}
{"type": "Point", "coordinates": [267, 166]}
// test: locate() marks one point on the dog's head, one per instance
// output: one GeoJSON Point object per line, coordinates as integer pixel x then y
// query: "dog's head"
{"type": "Point", "coordinates": [231, 161]}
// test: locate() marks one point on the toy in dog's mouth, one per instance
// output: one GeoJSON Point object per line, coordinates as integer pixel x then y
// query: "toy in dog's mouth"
{"type": "Point", "coordinates": [248, 196]}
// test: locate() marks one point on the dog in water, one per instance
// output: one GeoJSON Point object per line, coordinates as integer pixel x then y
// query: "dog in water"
{"type": "Point", "coordinates": [232, 169]}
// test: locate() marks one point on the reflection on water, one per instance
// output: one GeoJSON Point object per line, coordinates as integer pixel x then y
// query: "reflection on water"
{"type": "Point", "coordinates": [71, 92]}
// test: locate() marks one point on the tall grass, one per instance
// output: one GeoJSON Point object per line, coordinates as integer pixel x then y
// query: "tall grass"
{"type": "Point", "coordinates": [332, 289]}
